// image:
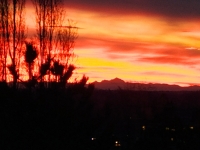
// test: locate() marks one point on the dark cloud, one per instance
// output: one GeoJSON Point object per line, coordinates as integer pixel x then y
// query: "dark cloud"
{"type": "Point", "coordinates": [168, 8]}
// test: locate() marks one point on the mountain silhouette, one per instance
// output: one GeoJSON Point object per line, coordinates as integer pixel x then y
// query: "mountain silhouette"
{"type": "Point", "coordinates": [112, 84]}
{"type": "Point", "coordinates": [118, 83]}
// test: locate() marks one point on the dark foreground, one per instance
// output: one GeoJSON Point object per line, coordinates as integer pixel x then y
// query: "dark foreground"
{"type": "Point", "coordinates": [80, 118]}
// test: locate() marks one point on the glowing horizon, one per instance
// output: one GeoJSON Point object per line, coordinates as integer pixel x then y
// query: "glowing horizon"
{"type": "Point", "coordinates": [136, 47]}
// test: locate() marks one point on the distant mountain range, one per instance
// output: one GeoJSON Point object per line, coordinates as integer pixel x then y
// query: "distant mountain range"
{"type": "Point", "coordinates": [120, 84]}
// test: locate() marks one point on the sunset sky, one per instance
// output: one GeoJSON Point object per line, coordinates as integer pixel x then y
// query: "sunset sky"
{"type": "Point", "coordinates": [136, 40]}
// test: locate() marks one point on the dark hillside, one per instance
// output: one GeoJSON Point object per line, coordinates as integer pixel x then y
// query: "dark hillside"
{"type": "Point", "coordinates": [80, 118]}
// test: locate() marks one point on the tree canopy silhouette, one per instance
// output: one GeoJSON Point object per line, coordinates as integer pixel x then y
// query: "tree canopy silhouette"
{"type": "Point", "coordinates": [49, 59]}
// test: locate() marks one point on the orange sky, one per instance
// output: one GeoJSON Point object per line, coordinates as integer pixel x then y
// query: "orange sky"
{"type": "Point", "coordinates": [137, 46]}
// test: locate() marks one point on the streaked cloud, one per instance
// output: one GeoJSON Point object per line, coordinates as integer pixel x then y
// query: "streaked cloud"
{"type": "Point", "coordinates": [137, 40]}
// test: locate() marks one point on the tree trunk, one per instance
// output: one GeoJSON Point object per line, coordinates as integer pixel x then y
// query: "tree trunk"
{"type": "Point", "coordinates": [14, 49]}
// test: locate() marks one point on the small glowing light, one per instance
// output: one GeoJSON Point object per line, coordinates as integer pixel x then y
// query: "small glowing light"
{"type": "Point", "coordinates": [167, 128]}
{"type": "Point", "coordinates": [173, 130]}
{"type": "Point", "coordinates": [172, 139]}
{"type": "Point", "coordinates": [191, 128]}
{"type": "Point", "coordinates": [130, 118]}
{"type": "Point", "coordinates": [117, 144]}
{"type": "Point", "coordinates": [93, 139]}
{"type": "Point", "coordinates": [143, 127]}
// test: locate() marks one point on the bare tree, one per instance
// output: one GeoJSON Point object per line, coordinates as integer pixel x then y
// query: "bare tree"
{"type": "Point", "coordinates": [47, 12]}
{"type": "Point", "coordinates": [4, 36]}
{"type": "Point", "coordinates": [56, 41]}
{"type": "Point", "coordinates": [12, 35]}
{"type": "Point", "coordinates": [66, 36]}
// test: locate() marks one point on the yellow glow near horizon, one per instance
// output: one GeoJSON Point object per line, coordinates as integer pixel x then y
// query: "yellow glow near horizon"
{"type": "Point", "coordinates": [111, 46]}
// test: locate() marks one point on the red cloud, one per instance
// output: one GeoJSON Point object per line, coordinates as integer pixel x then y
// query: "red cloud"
{"type": "Point", "coordinates": [157, 53]}
{"type": "Point", "coordinates": [170, 8]}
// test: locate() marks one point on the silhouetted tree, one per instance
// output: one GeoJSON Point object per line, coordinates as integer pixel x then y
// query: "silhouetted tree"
{"type": "Point", "coordinates": [12, 35]}
{"type": "Point", "coordinates": [45, 67]}
{"type": "Point", "coordinates": [57, 69]}
{"type": "Point", "coordinates": [67, 74]}
{"type": "Point", "coordinates": [47, 17]}
{"type": "Point", "coordinates": [4, 35]}
{"type": "Point", "coordinates": [30, 56]}
{"type": "Point", "coordinates": [66, 36]}
{"type": "Point", "coordinates": [52, 34]}
{"type": "Point", "coordinates": [55, 41]}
